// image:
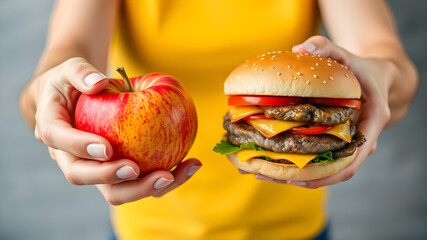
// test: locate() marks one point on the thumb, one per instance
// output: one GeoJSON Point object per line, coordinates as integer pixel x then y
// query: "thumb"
{"type": "Point", "coordinates": [83, 76]}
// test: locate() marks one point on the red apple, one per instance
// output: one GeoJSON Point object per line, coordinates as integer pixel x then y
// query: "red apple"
{"type": "Point", "coordinates": [155, 125]}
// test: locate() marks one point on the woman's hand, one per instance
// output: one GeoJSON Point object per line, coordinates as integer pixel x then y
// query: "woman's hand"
{"type": "Point", "coordinates": [376, 77]}
{"type": "Point", "coordinates": [84, 157]}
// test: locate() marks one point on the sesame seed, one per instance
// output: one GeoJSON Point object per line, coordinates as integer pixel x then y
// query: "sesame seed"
{"type": "Point", "coordinates": [299, 74]}
{"type": "Point", "coordinates": [345, 67]}
{"type": "Point", "coordinates": [331, 78]}
{"type": "Point", "coordinates": [289, 66]}
{"type": "Point", "coordinates": [279, 73]}
{"type": "Point", "coordinates": [273, 56]}
{"type": "Point", "coordinates": [329, 64]}
{"type": "Point", "coordinates": [314, 75]}
{"type": "Point", "coordinates": [279, 51]}
{"type": "Point", "coordinates": [321, 58]}
{"type": "Point", "coordinates": [273, 51]}
{"type": "Point", "coordinates": [254, 64]}
{"type": "Point", "coordinates": [269, 53]}
{"type": "Point", "coordinates": [272, 67]}
{"type": "Point", "coordinates": [317, 64]}
{"type": "Point", "coordinates": [295, 78]}
{"type": "Point", "coordinates": [246, 65]}
{"type": "Point", "coordinates": [324, 82]}
{"type": "Point", "coordinates": [346, 75]}
{"type": "Point", "coordinates": [261, 69]}
{"type": "Point", "coordinates": [342, 65]}
{"type": "Point", "coordinates": [262, 55]}
{"type": "Point", "coordinates": [312, 68]}
{"type": "Point", "coordinates": [308, 82]}
{"type": "Point", "coordinates": [306, 54]}
{"type": "Point", "coordinates": [329, 60]}
{"type": "Point", "coordinates": [261, 58]}
{"type": "Point", "coordinates": [256, 68]}
{"type": "Point", "coordinates": [247, 60]}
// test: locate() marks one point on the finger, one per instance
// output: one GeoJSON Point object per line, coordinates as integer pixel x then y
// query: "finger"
{"type": "Point", "coordinates": [266, 178]}
{"type": "Point", "coordinates": [83, 76]}
{"type": "Point", "coordinates": [319, 45]}
{"type": "Point", "coordinates": [182, 173]}
{"type": "Point", "coordinates": [117, 194]}
{"type": "Point", "coordinates": [88, 172]}
{"type": "Point", "coordinates": [59, 134]}
{"type": "Point", "coordinates": [243, 172]}
{"type": "Point", "coordinates": [54, 129]}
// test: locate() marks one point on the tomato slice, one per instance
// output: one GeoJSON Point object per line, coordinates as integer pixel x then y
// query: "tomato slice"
{"type": "Point", "coordinates": [351, 103]}
{"type": "Point", "coordinates": [256, 117]}
{"type": "Point", "coordinates": [264, 100]}
{"type": "Point", "coordinates": [310, 130]}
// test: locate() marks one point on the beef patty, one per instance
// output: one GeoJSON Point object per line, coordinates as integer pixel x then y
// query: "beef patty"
{"type": "Point", "coordinates": [325, 115]}
{"type": "Point", "coordinates": [242, 133]}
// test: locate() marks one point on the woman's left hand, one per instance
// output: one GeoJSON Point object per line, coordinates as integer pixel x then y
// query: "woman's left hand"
{"type": "Point", "coordinates": [375, 77]}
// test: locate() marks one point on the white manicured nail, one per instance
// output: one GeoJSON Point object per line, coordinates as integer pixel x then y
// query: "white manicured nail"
{"type": "Point", "coordinates": [97, 150]}
{"type": "Point", "coordinates": [298, 183]}
{"type": "Point", "coordinates": [191, 170]}
{"type": "Point", "coordinates": [162, 183]}
{"type": "Point", "coordinates": [308, 46]}
{"type": "Point", "coordinates": [126, 172]}
{"type": "Point", "coordinates": [93, 78]}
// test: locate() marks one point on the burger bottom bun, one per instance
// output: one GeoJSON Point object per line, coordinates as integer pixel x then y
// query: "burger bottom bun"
{"type": "Point", "coordinates": [291, 171]}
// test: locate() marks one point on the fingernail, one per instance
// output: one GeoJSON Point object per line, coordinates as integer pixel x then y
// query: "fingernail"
{"type": "Point", "coordinates": [191, 170]}
{"type": "Point", "coordinates": [298, 183]}
{"type": "Point", "coordinates": [162, 182]}
{"type": "Point", "coordinates": [93, 78]}
{"type": "Point", "coordinates": [126, 172]}
{"type": "Point", "coordinates": [308, 46]}
{"type": "Point", "coordinates": [97, 150]}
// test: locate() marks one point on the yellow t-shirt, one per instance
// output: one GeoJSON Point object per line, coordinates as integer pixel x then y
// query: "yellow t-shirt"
{"type": "Point", "coordinates": [200, 42]}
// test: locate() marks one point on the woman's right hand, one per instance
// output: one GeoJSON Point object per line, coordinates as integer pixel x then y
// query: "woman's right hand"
{"type": "Point", "coordinates": [83, 157]}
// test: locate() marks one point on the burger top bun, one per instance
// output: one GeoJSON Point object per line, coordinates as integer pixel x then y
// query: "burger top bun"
{"type": "Point", "coordinates": [290, 74]}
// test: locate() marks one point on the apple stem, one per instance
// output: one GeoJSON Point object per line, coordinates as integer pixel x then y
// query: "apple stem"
{"type": "Point", "coordinates": [128, 84]}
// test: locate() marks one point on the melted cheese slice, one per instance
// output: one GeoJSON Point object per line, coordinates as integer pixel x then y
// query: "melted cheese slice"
{"type": "Point", "coordinates": [271, 127]}
{"type": "Point", "coordinates": [342, 131]}
{"type": "Point", "coordinates": [298, 159]}
{"type": "Point", "coordinates": [238, 112]}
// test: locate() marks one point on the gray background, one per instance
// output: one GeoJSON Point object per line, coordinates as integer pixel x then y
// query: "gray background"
{"type": "Point", "coordinates": [387, 198]}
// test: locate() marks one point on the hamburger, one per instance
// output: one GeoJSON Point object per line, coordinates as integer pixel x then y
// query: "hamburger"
{"type": "Point", "coordinates": [289, 116]}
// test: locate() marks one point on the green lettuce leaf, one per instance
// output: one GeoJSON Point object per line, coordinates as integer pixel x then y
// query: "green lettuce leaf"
{"type": "Point", "coordinates": [324, 157]}
{"type": "Point", "coordinates": [225, 147]}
